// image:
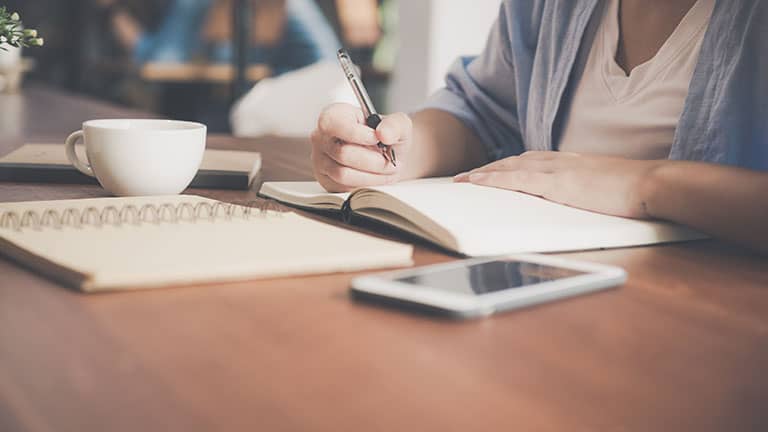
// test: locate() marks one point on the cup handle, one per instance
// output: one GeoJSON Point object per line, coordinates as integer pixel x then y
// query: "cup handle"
{"type": "Point", "coordinates": [69, 146]}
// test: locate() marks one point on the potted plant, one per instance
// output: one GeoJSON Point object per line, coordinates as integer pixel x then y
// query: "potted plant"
{"type": "Point", "coordinates": [13, 36]}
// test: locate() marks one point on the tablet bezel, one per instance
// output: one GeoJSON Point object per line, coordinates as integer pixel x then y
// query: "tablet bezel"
{"type": "Point", "coordinates": [596, 277]}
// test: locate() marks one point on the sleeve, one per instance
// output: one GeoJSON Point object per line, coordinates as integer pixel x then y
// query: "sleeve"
{"type": "Point", "coordinates": [482, 92]}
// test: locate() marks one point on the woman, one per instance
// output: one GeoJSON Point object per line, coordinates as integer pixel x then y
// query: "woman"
{"type": "Point", "coordinates": [658, 108]}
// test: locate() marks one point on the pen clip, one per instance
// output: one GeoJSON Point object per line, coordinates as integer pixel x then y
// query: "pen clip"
{"type": "Point", "coordinates": [350, 71]}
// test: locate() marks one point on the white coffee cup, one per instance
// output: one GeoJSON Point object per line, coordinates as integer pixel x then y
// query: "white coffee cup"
{"type": "Point", "coordinates": [140, 157]}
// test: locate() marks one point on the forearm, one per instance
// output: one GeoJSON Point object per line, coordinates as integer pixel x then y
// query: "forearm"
{"type": "Point", "coordinates": [730, 203]}
{"type": "Point", "coordinates": [442, 146]}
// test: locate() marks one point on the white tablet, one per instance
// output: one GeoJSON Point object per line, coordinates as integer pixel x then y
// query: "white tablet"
{"type": "Point", "coordinates": [481, 287]}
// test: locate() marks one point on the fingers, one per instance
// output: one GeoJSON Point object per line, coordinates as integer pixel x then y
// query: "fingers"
{"type": "Point", "coordinates": [363, 158]}
{"type": "Point", "coordinates": [547, 155]}
{"type": "Point", "coordinates": [394, 129]}
{"type": "Point", "coordinates": [533, 172]}
{"type": "Point", "coordinates": [344, 151]}
{"type": "Point", "coordinates": [345, 122]}
{"type": "Point", "coordinates": [517, 163]}
{"type": "Point", "coordinates": [339, 178]}
{"type": "Point", "coordinates": [330, 185]}
{"type": "Point", "coordinates": [537, 161]}
{"type": "Point", "coordinates": [530, 182]}
{"type": "Point", "coordinates": [509, 164]}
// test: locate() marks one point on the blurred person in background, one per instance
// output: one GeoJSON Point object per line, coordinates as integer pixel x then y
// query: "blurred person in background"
{"type": "Point", "coordinates": [287, 34]}
{"type": "Point", "coordinates": [359, 22]}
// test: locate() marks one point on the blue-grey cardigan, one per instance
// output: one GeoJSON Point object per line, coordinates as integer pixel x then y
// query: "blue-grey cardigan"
{"type": "Point", "coordinates": [515, 94]}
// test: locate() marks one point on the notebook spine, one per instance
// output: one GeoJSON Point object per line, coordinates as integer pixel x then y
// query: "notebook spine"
{"type": "Point", "coordinates": [137, 215]}
{"type": "Point", "coordinates": [347, 212]}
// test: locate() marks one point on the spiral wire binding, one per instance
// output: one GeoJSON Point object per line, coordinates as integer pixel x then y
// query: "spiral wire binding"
{"type": "Point", "coordinates": [133, 215]}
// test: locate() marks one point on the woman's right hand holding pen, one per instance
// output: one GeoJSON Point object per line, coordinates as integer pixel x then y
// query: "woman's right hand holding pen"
{"type": "Point", "coordinates": [345, 155]}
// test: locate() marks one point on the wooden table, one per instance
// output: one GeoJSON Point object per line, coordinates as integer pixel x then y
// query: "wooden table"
{"type": "Point", "coordinates": [682, 346]}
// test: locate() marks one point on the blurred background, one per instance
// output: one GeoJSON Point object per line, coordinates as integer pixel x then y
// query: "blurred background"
{"type": "Point", "coordinates": [249, 67]}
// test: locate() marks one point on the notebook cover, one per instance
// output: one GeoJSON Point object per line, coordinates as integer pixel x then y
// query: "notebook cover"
{"type": "Point", "coordinates": [16, 170]}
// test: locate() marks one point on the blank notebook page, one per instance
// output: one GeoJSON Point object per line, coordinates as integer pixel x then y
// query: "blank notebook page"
{"type": "Point", "coordinates": [488, 221]}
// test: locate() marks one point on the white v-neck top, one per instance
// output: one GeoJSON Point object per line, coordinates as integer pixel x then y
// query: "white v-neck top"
{"type": "Point", "coordinates": [634, 116]}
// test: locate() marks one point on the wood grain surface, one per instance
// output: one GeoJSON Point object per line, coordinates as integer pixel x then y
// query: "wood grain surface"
{"type": "Point", "coordinates": [682, 346]}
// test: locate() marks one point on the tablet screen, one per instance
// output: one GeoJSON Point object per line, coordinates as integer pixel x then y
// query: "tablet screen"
{"type": "Point", "coordinates": [488, 277]}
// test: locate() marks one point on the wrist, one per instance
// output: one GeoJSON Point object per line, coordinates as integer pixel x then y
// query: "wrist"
{"type": "Point", "coordinates": [652, 188]}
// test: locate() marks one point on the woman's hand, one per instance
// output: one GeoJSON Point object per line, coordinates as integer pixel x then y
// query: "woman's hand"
{"type": "Point", "coordinates": [344, 151]}
{"type": "Point", "coordinates": [609, 185]}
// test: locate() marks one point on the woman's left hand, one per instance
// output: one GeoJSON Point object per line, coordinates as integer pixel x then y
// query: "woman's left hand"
{"type": "Point", "coordinates": [603, 184]}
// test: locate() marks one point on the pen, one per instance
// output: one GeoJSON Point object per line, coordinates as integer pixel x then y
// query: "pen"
{"type": "Point", "coordinates": [372, 118]}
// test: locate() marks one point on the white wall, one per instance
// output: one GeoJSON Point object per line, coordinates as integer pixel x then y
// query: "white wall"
{"type": "Point", "coordinates": [433, 33]}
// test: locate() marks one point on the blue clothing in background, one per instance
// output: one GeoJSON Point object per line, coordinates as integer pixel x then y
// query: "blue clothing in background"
{"type": "Point", "coordinates": [307, 38]}
{"type": "Point", "coordinates": [515, 94]}
{"type": "Point", "coordinates": [177, 39]}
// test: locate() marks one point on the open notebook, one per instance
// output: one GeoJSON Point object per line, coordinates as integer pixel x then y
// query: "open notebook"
{"type": "Point", "coordinates": [475, 220]}
{"type": "Point", "coordinates": [125, 243]}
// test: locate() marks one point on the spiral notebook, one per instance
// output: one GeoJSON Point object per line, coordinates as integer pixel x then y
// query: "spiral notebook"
{"type": "Point", "coordinates": [129, 243]}
{"type": "Point", "coordinates": [476, 220]}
